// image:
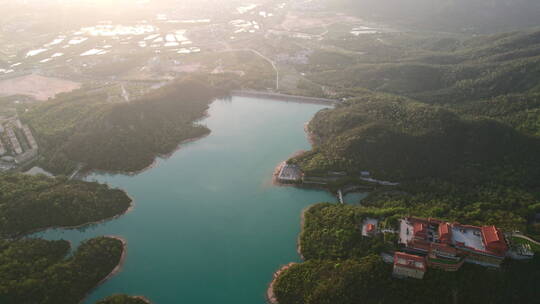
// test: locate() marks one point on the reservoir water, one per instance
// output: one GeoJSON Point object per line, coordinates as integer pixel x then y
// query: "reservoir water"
{"type": "Point", "coordinates": [208, 226]}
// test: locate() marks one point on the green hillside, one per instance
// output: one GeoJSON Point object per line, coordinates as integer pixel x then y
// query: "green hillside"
{"type": "Point", "coordinates": [477, 68]}
{"type": "Point", "coordinates": [82, 127]}
{"type": "Point", "coordinates": [458, 127]}
{"type": "Point", "coordinates": [29, 203]}
{"type": "Point", "coordinates": [440, 15]}
{"type": "Point", "coordinates": [369, 280]}
{"type": "Point", "coordinates": [39, 271]}
{"type": "Point", "coordinates": [122, 299]}
{"type": "Point", "coordinates": [398, 139]}
{"type": "Point", "coordinates": [341, 266]}
{"type": "Point", "coordinates": [520, 111]}
{"type": "Point", "coordinates": [469, 114]}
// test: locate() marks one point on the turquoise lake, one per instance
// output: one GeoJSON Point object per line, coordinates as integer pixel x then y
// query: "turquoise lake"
{"type": "Point", "coordinates": [208, 225]}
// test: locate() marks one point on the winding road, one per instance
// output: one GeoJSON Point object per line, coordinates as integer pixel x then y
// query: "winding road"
{"type": "Point", "coordinates": [521, 236]}
{"type": "Point", "coordinates": [272, 63]}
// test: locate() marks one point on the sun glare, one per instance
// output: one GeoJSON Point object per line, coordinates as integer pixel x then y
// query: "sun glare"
{"type": "Point", "coordinates": [108, 2]}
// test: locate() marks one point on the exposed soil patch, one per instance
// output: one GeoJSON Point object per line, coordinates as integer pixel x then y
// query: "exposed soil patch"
{"type": "Point", "coordinates": [36, 86]}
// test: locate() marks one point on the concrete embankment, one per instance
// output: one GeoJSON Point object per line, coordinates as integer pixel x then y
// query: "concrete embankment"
{"type": "Point", "coordinates": [340, 196]}
{"type": "Point", "coordinates": [283, 97]}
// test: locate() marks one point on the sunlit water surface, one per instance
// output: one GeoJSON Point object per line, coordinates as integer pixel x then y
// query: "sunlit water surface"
{"type": "Point", "coordinates": [208, 225]}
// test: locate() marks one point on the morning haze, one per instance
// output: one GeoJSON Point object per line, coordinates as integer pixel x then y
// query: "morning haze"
{"type": "Point", "coordinates": [283, 152]}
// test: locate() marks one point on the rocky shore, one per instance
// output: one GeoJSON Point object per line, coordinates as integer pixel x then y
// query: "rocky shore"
{"type": "Point", "coordinates": [118, 267]}
{"type": "Point", "coordinates": [270, 295]}
{"type": "Point", "coordinates": [143, 299]}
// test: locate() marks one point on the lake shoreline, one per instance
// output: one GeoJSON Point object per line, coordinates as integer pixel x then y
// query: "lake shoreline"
{"type": "Point", "coordinates": [83, 175]}
{"type": "Point", "coordinates": [239, 93]}
{"type": "Point", "coordinates": [310, 135]}
{"type": "Point", "coordinates": [302, 222]}
{"type": "Point", "coordinates": [283, 97]}
{"type": "Point", "coordinates": [143, 298]}
{"type": "Point", "coordinates": [228, 152]}
{"type": "Point", "coordinates": [88, 224]}
{"type": "Point", "coordinates": [270, 295]}
{"type": "Point", "coordinates": [115, 270]}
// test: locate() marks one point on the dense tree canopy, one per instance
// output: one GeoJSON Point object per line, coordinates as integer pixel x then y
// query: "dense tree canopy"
{"type": "Point", "coordinates": [82, 127]}
{"type": "Point", "coordinates": [29, 203]}
{"type": "Point", "coordinates": [343, 267]}
{"type": "Point", "coordinates": [457, 125]}
{"type": "Point", "coordinates": [439, 15]}
{"type": "Point", "coordinates": [122, 299]}
{"type": "Point", "coordinates": [369, 280]}
{"type": "Point", "coordinates": [458, 128]}
{"type": "Point", "coordinates": [468, 70]}
{"type": "Point", "coordinates": [333, 231]}
{"type": "Point", "coordinates": [38, 271]}
{"type": "Point", "coordinates": [398, 139]}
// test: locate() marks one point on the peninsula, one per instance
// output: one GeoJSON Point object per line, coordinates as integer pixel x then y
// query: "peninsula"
{"type": "Point", "coordinates": [351, 253]}
{"type": "Point", "coordinates": [83, 129]}
{"type": "Point", "coordinates": [51, 274]}
{"type": "Point", "coordinates": [33, 203]}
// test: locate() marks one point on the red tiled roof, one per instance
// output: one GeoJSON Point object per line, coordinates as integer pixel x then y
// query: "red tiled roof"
{"type": "Point", "coordinates": [419, 228]}
{"type": "Point", "coordinates": [445, 233]}
{"type": "Point", "coordinates": [370, 228]}
{"type": "Point", "coordinates": [409, 260]}
{"type": "Point", "coordinates": [493, 239]}
{"type": "Point", "coordinates": [490, 234]}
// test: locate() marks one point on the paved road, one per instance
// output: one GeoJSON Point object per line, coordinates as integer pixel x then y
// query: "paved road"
{"type": "Point", "coordinates": [272, 63]}
{"type": "Point", "coordinates": [521, 236]}
{"type": "Point", "coordinates": [77, 170]}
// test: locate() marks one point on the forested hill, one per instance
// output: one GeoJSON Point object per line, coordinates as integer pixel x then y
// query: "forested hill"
{"type": "Point", "coordinates": [368, 280]}
{"type": "Point", "coordinates": [123, 299]}
{"type": "Point", "coordinates": [39, 271]}
{"type": "Point", "coordinates": [82, 127]}
{"type": "Point", "coordinates": [443, 15]}
{"type": "Point", "coordinates": [459, 129]}
{"type": "Point", "coordinates": [471, 115]}
{"type": "Point", "coordinates": [342, 266]}
{"type": "Point", "coordinates": [29, 203]}
{"type": "Point", "coordinates": [399, 139]}
{"type": "Point", "coordinates": [459, 71]}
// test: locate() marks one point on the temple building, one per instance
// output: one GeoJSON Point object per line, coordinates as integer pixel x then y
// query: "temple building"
{"type": "Point", "coordinates": [409, 265]}
{"type": "Point", "coordinates": [447, 246]}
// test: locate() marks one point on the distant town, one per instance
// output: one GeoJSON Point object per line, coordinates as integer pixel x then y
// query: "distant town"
{"type": "Point", "coordinates": [17, 143]}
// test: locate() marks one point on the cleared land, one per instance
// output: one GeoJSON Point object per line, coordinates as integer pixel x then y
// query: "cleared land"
{"type": "Point", "coordinates": [299, 22]}
{"type": "Point", "coordinates": [36, 86]}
